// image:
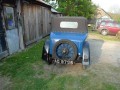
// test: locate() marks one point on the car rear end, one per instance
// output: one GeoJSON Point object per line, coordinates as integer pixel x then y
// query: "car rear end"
{"type": "Point", "coordinates": [72, 29]}
{"type": "Point", "coordinates": [67, 40]}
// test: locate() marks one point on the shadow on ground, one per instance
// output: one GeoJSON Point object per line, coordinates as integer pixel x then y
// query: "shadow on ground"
{"type": "Point", "coordinates": [95, 50]}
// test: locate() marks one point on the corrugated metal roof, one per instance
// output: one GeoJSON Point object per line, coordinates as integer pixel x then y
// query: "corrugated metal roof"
{"type": "Point", "coordinates": [41, 1]}
{"type": "Point", "coordinates": [55, 11]}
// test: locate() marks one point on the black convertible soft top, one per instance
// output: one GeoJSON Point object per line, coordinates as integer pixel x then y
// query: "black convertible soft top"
{"type": "Point", "coordinates": [78, 24]}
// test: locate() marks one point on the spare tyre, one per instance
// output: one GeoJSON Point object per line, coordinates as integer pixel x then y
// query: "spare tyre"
{"type": "Point", "coordinates": [65, 50]}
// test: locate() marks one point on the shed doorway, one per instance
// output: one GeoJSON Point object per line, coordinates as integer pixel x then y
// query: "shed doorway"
{"type": "Point", "coordinates": [11, 30]}
{"type": "Point", "coordinates": [3, 47]}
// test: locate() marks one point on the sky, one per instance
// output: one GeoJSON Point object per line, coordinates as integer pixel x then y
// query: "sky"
{"type": "Point", "coordinates": [108, 5]}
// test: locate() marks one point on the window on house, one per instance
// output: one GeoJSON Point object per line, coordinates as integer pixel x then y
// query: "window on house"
{"type": "Point", "coordinates": [9, 17]}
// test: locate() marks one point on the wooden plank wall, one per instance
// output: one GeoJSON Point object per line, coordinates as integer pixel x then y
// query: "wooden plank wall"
{"type": "Point", "coordinates": [37, 22]}
{"type": "Point", "coordinates": [46, 21]}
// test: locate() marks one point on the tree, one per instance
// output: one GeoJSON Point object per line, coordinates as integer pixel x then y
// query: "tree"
{"type": "Point", "coordinates": [53, 3]}
{"type": "Point", "coordinates": [115, 9]}
{"type": "Point", "coordinates": [115, 13]}
{"type": "Point", "coordinates": [77, 8]}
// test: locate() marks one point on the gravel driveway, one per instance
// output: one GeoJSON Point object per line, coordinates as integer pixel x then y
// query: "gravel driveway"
{"type": "Point", "coordinates": [105, 52]}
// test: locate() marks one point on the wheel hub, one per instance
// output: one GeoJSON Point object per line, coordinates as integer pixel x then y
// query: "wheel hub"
{"type": "Point", "coordinates": [65, 51]}
{"type": "Point", "coordinates": [104, 32]}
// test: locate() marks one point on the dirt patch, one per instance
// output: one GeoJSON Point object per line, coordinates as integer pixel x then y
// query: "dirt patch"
{"type": "Point", "coordinates": [4, 83]}
{"type": "Point", "coordinates": [64, 69]}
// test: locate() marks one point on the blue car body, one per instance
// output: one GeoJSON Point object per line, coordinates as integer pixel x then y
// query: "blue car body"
{"type": "Point", "coordinates": [77, 38]}
{"type": "Point", "coordinates": [67, 41]}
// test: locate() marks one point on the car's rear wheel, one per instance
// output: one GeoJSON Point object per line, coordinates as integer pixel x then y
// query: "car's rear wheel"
{"type": "Point", "coordinates": [65, 50]}
{"type": "Point", "coordinates": [104, 32]}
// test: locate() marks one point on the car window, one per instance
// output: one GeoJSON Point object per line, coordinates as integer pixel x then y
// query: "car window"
{"type": "Point", "coordinates": [117, 25]}
{"type": "Point", "coordinates": [110, 24]}
{"type": "Point", "coordinates": [103, 24]}
{"type": "Point", "coordinates": [66, 24]}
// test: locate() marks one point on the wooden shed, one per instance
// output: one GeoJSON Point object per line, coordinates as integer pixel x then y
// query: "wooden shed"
{"type": "Point", "coordinates": [37, 20]}
{"type": "Point", "coordinates": [22, 22]}
{"type": "Point", "coordinates": [9, 39]}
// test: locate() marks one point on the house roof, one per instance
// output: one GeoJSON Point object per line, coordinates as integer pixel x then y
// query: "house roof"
{"type": "Point", "coordinates": [40, 2]}
{"type": "Point", "coordinates": [100, 9]}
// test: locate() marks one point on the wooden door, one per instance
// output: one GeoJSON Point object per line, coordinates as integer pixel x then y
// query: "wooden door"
{"type": "Point", "coordinates": [12, 37]}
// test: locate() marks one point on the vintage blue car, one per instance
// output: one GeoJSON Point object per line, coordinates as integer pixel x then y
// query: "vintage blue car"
{"type": "Point", "coordinates": [67, 44]}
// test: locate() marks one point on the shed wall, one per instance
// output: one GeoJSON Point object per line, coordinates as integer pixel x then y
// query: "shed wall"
{"type": "Point", "coordinates": [37, 22]}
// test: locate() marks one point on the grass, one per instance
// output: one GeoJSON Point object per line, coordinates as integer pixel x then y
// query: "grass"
{"type": "Point", "coordinates": [27, 71]}
{"type": "Point", "coordinates": [96, 34]}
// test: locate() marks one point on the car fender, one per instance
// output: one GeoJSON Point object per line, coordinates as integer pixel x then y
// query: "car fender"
{"type": "Point", "coordinates": [47, 46]}
{"type": "Point", "coordinates": [103, 29]}
{"type": "Point", "coordinates": [86, 54]}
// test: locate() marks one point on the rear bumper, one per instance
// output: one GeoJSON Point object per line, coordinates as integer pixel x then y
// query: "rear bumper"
{"type": "Point", "coordinates": [77, 60]}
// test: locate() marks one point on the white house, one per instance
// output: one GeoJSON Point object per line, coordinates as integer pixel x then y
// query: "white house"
{"type": "Point", "coordinates": [102, 15]}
